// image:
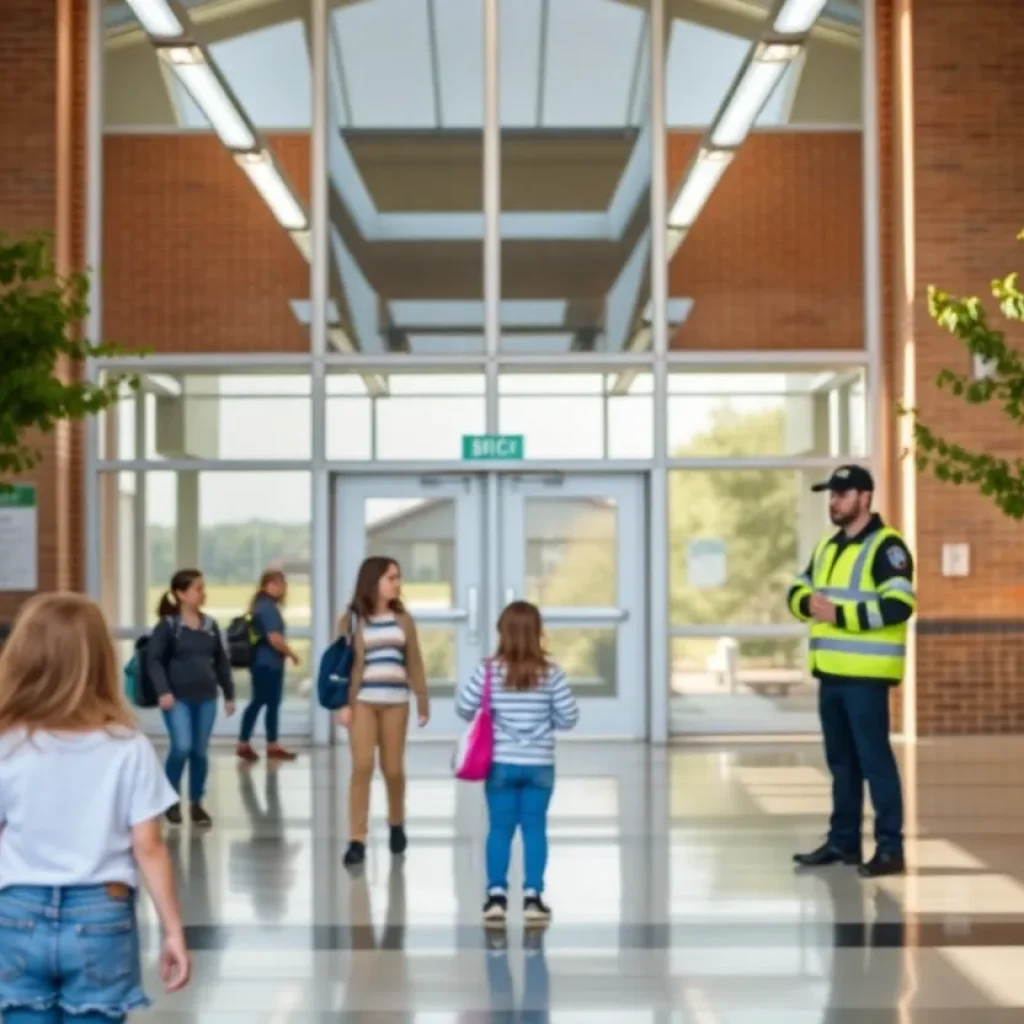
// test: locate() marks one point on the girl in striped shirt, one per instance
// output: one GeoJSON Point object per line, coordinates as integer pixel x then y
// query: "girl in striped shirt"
{"type": "Point", "coordinates": [386, 671]}
{"type": "Point", "coordinates": [530, 699]}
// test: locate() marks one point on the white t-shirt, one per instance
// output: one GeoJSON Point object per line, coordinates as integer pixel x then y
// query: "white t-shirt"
{"type": "Point", "coordinates": [68, 802]}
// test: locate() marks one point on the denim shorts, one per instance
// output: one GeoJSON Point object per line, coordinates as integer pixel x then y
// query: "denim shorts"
{"type": "Point", "coordinates": [76, 948]}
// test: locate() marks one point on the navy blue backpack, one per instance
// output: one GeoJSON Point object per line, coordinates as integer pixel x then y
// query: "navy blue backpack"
{"type": "Point", "coordinates": [335, 672]}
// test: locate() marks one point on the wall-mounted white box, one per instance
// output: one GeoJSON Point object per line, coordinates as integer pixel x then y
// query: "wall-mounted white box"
{"type": "Point", "coordinates": [956, 559]}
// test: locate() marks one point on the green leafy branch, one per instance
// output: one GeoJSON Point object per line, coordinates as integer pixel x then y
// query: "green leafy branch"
{"type": "Point", "coordinates": [1000, 479]}
{"type": "Point", "coordinates": [42, 351]}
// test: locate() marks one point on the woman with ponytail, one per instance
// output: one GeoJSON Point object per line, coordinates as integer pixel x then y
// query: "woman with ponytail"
{"type": "Point", "coordinates": [187, 662]}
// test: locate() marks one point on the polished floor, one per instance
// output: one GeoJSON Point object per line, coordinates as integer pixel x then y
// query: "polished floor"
{"type": "Point", "coordinates": [672, 887]}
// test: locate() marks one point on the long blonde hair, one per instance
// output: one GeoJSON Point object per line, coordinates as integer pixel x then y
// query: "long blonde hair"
{"type": "Point", "coordinates": [520, 646]}
{"type": "Point", "coordinates": [58, 669]}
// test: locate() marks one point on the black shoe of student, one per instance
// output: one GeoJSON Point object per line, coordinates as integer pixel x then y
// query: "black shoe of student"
{"type": "Point", "coordinates": [199, 817]}
{"type": "Point", "coordinates": [173, 814]}
{"type": "Point", "coordinates": [398, 841]}
{"type": "Point", "coordinates": [883, 864]}
{"type": "Point", "coordinates": [355, 855]}
{"type": "Point", "coordinates": [825, 856]}
{"type": "Point", "coordinates": [496, 909]}
{"type": "Point", "coordinates": [535, 911]}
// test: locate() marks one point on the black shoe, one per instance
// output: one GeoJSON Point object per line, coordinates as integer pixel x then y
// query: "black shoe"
{"type": "Point", "coordinates": [496, 909]}
{"type": "Point", "coordinates": [535, 910]}
{"type": "Point", "coordinates": [173, 814]}
{"type": "Point", "coordinates": [199, 816]}
{"type": "Point", "coordinates": [883, 864]}
{"type": "Point", "coordinates": [355, 855]}
{"type": "Point", "coordinates": [398, 841]}
{"type": "Point", "coordinates": [826, 855]}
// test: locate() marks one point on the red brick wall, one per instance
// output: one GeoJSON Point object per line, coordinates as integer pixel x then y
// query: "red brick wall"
{"type": "Point", "coordinates": [968, 167]}
{"type": "Point", "coordinates": [29, 202]}
{"type": "Point", "coordinates": [775, 259]}
{"type": "Point", "coordinates": [193, 260]}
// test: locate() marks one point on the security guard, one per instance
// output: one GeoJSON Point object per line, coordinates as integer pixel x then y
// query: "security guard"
{"type": "Point", "coordinates": [858, 594]}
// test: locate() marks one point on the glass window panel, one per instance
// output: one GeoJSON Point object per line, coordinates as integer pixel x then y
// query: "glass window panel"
{"type": "Point", "coordinates": [575, 95]}
{"type": "Point", "coordinates": [579, 415]}
{"type": "Point", "coordinates": [282, 100]}
{"type": "Point", "coordinates": [742, 683]}
{"type": "Point", "coordinates": [780, 413]}
{"type": "Point", "coordinates": [419, 534]}
{"type": "Point", "coordinates": [589, 657]}
{"type": "Point", "coordinates": [195, 259]}
{"type": "Point", "coordinates": [571, 551]}
{"type": "Point", "coordinates": [231, 525]}
{"type": "Point", "coordinates": [406, 231]}
{"type": "Point", "coordinates": [736, 539]}
{"type": "Point", "coordinates": [416, 417]}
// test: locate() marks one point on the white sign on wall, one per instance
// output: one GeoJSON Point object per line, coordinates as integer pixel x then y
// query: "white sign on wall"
{"type": "Point", "coordinates": [706, 563]}
{"type": "Point", "coordinates": [19, 570]}
{"type": "Point", "coordinates": [956, 560]}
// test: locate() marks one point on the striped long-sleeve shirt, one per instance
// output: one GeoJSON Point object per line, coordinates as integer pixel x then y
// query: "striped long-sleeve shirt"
{"type": "Point", "coordinates": [524, 721]}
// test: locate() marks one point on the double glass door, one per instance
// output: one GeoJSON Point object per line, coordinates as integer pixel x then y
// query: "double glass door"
{"type": "Point", "coordinates": [470, 543]}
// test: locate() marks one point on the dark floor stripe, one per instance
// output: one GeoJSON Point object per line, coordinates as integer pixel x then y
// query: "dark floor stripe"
{"type": "Point", "coordinates": [927, 933]}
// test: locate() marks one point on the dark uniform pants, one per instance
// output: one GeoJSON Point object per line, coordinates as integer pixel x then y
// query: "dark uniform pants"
{"type": "Point", "coordinates": [855, 725]}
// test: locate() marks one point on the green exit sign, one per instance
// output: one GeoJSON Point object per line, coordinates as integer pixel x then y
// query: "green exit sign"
{"type": "Point", "coordinates": [477, 447]}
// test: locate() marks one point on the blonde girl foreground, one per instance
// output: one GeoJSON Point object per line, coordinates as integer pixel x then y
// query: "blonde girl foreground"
{"type": "Point", "coordinates": [81, 797]}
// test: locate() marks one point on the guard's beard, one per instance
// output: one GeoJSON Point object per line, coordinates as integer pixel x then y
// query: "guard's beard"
{"type": "Point", "coordinates": [843, 519]}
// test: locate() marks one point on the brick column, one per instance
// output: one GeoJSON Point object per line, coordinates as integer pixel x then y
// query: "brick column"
{"type": "Point", "coordinates": [42, 146]}
{"type": "Point", "coordinates": [956, 202]}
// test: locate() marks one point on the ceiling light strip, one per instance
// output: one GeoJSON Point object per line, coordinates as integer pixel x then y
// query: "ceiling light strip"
{"type": "Point", "coordinates": [768, 60]}
{"type": "Point", "coordinates": [157, 18]}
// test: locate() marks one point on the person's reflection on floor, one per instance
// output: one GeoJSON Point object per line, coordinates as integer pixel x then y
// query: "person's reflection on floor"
{"type": "Point", "coordinates": [868, 950]}
{"type": "Point", "coordinates": [262, 865]}
{"type": "Point", "coordinates": [378, 970]}
{"type": "Point", "coordinates": [535, 1007]}
{"type": "Point", "coordinates": [192, 871]}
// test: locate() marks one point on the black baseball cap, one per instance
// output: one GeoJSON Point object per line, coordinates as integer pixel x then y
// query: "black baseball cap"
{"type": "Point", "coordinates": [848, 478]}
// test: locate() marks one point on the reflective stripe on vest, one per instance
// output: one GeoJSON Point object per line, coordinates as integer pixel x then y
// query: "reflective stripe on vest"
{"type": "Point", "coordinates": [878, 653]}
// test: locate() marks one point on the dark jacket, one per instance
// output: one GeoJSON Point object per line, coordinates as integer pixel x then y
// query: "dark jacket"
{"type": "Point", "coordinates": [189, 663]}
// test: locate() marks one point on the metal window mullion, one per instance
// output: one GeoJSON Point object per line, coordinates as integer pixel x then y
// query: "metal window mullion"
{"type": "Point", "coordinates": [658, 524]}
{"type": "Point", "coordinates": [320, 724]}
{"type": "Point", "coordinates": [93, 259]}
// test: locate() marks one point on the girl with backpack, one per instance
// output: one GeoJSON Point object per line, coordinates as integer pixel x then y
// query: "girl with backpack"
{"type": "Point", "coordinates": [529, 699]}
{"type": "Point", "coordinates": [270, 651]}
{"type": "Point", "coordinates": [186, 662]}
{"type": "Point", "coordinates": [81, 798]}
{"type": "Point", "coordinates": [387, 667]}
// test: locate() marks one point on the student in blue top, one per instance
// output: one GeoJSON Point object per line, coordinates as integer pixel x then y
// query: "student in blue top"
{"type": "Point", "coordinates": [272, 650]}
{"type": "Point", "coordinates": [530, 700]}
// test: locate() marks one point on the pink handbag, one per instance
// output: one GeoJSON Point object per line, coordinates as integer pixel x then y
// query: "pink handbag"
{"type": "Point", "coordinates": [475, 752]}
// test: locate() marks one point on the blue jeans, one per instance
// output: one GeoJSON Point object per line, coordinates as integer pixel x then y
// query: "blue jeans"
{"type": "Point", "coordinates": [189, 726]}
{"type": "Point", "coordinates": [517, 798]}
{"type": "Point", "coordinates": [69, 954]}
{"type": "Point", "coordinates": [268, 692]}
{"type": "Point", "coordinates": [855, 726]}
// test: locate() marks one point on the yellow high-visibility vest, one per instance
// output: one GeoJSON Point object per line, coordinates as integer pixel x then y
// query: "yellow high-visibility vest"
{"type": "Point", "coordinates": [881, 651]}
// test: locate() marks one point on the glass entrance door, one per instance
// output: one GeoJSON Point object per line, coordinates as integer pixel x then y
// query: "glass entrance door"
{"type": "Point", "coordinates": [574, 546]}
{"type": "Point", "coordinates": [432, 526]}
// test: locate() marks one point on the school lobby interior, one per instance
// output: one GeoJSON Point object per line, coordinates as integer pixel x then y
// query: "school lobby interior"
{"type": "Point", "coordinates": [571, 301]}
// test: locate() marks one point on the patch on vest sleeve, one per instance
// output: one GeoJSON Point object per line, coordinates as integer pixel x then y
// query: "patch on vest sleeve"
{"type": "Point", "coordinates": [897, 557]}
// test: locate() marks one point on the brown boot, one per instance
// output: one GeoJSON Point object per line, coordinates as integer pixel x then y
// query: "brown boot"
{"type": "Point", "coordinates": [275, 752]}
{"type": "Point", "coordinates": [246, 753]}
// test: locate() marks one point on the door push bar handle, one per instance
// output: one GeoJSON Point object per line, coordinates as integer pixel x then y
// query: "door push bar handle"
{"type": "Point", "coordinates": [473, 603]}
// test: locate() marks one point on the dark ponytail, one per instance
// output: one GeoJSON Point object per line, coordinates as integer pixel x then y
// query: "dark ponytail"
{"type": "Point", "coordinates": [169, 605]}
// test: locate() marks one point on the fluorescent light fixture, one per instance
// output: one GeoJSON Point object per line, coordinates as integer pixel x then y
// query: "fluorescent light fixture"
{"type": "Point", "coordinates": [759, 81]}
{"type": "Point", "coordinates": [796, 17]}
{"type": "Point", "coordinates": [275, 191]}
{"type": "Point", "coordinates": [304, 243]}
{"type": "Point", "coordinates": [157, 18]}
{"type": "Point", "coordinates": [189, 64]}
{"type": "Point", "coordinates": [700, 182]}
